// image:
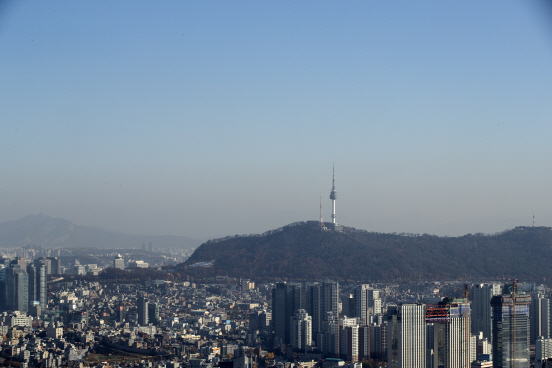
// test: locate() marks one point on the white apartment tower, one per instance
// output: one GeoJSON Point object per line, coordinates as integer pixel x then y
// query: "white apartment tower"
{"type": "Point", "coordinates": [406, 336]}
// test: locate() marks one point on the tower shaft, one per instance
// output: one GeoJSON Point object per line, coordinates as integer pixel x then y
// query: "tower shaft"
{"type": "Point", "coordinates": [333, 197]}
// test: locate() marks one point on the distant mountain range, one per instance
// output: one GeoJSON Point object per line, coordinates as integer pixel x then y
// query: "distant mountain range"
{"type": "Point", "coordinates": [304, 251]}
{"type": "Point", "coordinates": [55, 232]}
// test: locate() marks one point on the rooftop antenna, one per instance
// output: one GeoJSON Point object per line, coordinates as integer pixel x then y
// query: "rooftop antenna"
{"type": "Point", "coordinates": [533, 218]}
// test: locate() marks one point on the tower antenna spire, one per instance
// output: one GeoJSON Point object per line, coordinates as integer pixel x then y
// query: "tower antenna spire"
{"type": "Point", "coordinates": [321, 221]}
{"type": "Point", "coordinates": [533, 218]}
{"type": "Point", "coordinates": [333, 197]}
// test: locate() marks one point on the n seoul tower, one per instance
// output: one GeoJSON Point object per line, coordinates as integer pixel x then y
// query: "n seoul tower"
{"type": "Point", "coordinates": [333, 197]}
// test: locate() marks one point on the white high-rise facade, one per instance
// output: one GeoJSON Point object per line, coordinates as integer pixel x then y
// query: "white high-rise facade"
{"type": "Point", "coordinates": [543, 350]}
{"type": "Point", "coordinates": [406, 336]}
{"type": "Point", "coordinates": [451, 341]}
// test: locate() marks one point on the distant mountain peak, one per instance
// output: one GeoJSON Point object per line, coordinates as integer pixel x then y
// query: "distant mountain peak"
{"type": "Point", "coordinates": [46, 231]}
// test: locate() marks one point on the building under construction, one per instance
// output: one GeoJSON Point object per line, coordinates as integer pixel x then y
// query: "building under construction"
{"type": "Point", "coordinates": [511, 328]}
{"type": "Point", "coordinates": [449, 342]}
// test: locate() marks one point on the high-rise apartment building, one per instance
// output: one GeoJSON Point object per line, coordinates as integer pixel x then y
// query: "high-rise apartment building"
{"type": "Point", "coordinates": [348, 339]}
{"type": "Point", "coordinates": [543, 351]}
{"type": "Point", "coordinates": [406, 336]}
{"type": "Point", "coordinates": [510, 326]}
{"type": "Point", "coordinates": [317, 299]}
{"type": "Point", "coordinates": [373, 301]}
{"type": "Point", "coordinates": [359, 297]}
{"type": "Point", "coordinates": [301, 329]}
{"type": "Point", "coordinates": [286, 299]}
{"type": "Point", "coordinates": [364, 343]}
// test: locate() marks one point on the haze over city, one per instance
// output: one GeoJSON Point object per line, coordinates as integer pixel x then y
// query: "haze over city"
{"type": "Point", "coordinates": [208, 119]}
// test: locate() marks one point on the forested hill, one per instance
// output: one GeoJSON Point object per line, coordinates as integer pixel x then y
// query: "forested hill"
{"type": "Point", "coordinates": [304, 251]}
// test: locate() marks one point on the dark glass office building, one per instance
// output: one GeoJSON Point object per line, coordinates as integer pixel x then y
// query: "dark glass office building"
{"type": "Point", "coordinates": [510, 323]}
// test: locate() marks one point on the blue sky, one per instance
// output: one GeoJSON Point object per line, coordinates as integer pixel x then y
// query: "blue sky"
{"type": "Point", "coordinates": [215, 118]}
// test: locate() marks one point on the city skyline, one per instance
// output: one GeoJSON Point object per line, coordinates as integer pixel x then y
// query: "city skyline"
{"type": "Point", "coordinates": [213, 119]}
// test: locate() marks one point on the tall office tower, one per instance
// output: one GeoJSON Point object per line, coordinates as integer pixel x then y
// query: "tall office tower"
{"type": "Point", "coordinates": [38, 278]}
{"type": "Point", "coordinates": [142, 311]}
{"type": "Point", "coordinates": [279, 311]}
{"type": "Point", "coordinates": [150, 247]}
{"type": "Point", "coordinates": [3, 287]}
{"type": "Point", "coordinates": [286, 299]}
{"type": "Point", "coordinates": [300, 329]}
{"type": "Point", "coordinates": [119, 262]}
{"type": "Point", "coordinates": [539, 314]}
{"type": "Point", "coordinates": [406, 343]}
{"type": "Point", "coordinates": [359, 297]}
{"type": "Point", "coordinates": [46, 262]}
{"type": "Point", "coordinates": [510, 328]}
{"type": "Point", "coordinates": [480, 296]}
{"type": "Point", "coordinates": [153, 313]}
{"type": "Point", "coordinates": [120, 314]}
{"type": "Point", "coordinates": [32, 291]}
{"type": "Point", "coordinates": [448, 334]}
{"type": "Point", "coordinates": [17, 283]}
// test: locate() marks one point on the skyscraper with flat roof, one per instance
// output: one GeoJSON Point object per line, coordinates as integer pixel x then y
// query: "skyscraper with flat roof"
{"type": "Point", "coordinates": [119, 262]}
{"type": "Point", "coordinates": [17, 284]}
{"type": "Point", "coordinates": [142, 311]}
{"type": "Point", "coordinates": [480, 296]}
{"type": "Point", "coordinates": [539, 313]}
{"type": "Point", "coordinates": [511, 326]}
{"type": "Point", "coordinates": [406, 336]}
{"type": "Point", "coordinates": [301, 329]}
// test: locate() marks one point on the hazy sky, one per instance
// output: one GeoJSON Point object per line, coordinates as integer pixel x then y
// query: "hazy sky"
{"type": "Point", "coordinates": [212, 118]}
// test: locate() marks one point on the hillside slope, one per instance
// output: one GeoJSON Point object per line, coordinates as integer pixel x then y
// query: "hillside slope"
{"type": "Point", "coordinates": [303, 251]}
